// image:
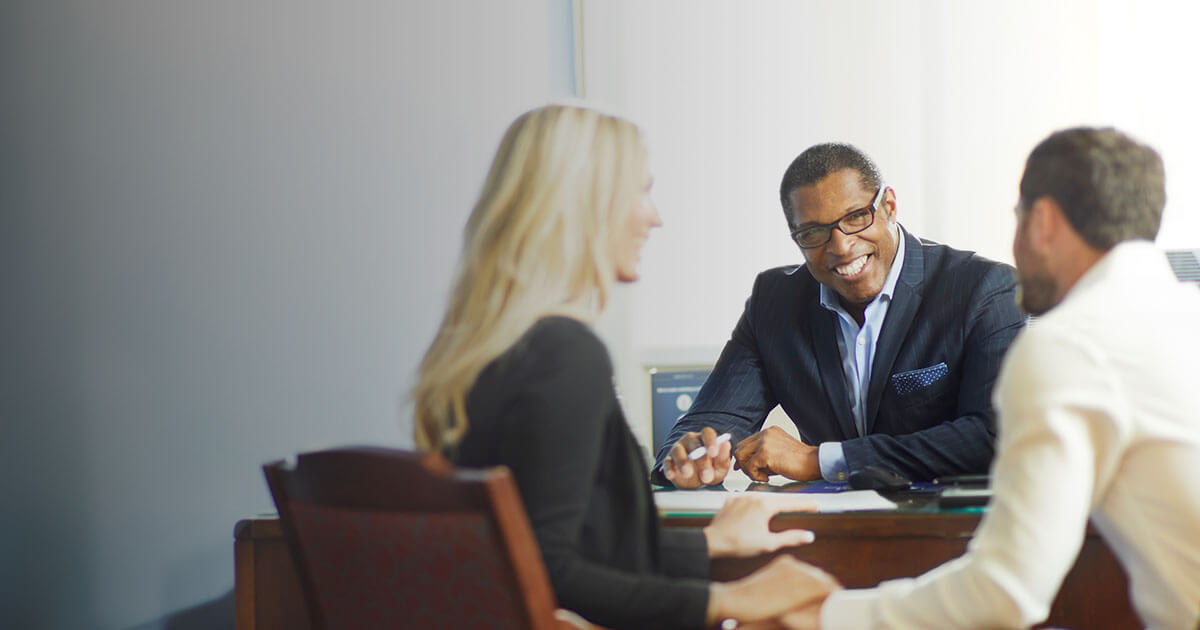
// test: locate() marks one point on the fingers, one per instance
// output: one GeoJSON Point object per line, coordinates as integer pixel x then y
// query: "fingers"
{"type": "Point", "coordinates": [792, 538]}
{"type": "Point", "coordinates": [689, 442]}
{"type": "Point", "coordinates": [708, 436]}
{"type": "Point", "coordinates": [670, 471]}
{"type": "Point", "coordinates": [803, 618]}
{"type": "Point", "coordinates": [723, 460]}
{"type": "Point", "coordinates": [678, 468]}
{"type": "Point", "coordinates": [684, 472]}
{"type": "Point", "coordinates": [704, 465]}
{"type": "Point", "coordinates": [809, 576]}
{"type": "Point", "coordinates": [815, 575]}
{"type": "Point", "coordinates": [746, 448]}
{"type": "Point", "coordinates": [756, 469]}
{"type": "Point", "coordinates": [757, 473]}
{"type": "Point", "coordinates": [742, 503]}
{"type": "Point", "coordinates": [751, 459]}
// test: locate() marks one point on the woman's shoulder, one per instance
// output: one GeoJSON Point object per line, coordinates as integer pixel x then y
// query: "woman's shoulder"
{"type": "Point", "coordinates": [562, 341]}
{"type": "Point", "coordinates": [562, 329]}
{"type": "Point", "coordinates": [558, 358]}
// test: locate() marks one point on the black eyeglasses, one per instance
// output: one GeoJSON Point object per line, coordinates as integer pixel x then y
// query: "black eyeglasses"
{"type": "Point", "coordinates": [853, 222]}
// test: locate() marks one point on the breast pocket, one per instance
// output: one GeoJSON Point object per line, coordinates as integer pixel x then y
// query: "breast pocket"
{"type": "Point", "coordinates": [920, 387]}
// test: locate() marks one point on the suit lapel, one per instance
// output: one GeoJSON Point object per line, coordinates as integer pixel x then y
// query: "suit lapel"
{"type": "Point", "coordinates": [829, 363]}
{"type": "Point", "coordinates": [905, 301]}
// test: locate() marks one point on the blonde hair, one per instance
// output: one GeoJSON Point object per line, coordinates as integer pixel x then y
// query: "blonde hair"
{"type": "Point", "coordinates": [536, 244]}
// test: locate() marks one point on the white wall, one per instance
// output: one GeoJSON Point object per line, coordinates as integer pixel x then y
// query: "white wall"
{"type": "Point", "coordinates": [226, 231]}
{"type": "Point", "coordinates": [948, 96]}
{"type": "Point", "coordinates": [226, 228]}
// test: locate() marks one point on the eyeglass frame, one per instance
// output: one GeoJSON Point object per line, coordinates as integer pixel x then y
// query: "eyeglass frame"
{"type": "Point", "coordinates": [829, 227]}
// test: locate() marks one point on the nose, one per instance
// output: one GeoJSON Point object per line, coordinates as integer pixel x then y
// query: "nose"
{"type": "Point", "coordinates": [839, 242]}
{"type": "Point", "coordinates": [655, 219]}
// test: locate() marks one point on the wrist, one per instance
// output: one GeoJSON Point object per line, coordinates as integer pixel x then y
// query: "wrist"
{"type": "Point", "coordinates": [717, 594]}
{"type": "Point", "coordinates": [723, 600]}
{"type": "Point", "coordinates": [718, 545]}
{"type": "Point", "coordinates": [812, 464]}
{"type": "Point", "coordinates": [731, 602]}
{"type": "Point", "coordinates": [805, 464]}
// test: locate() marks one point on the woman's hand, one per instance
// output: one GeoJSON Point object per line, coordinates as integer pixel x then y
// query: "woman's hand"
{"type": "Point", "coordinates": [742, 527]}
{"type": "Point", "coordinates": [785, 587]}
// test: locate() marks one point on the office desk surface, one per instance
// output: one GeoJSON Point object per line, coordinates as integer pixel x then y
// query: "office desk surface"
{"type": "Point", "coordinates": [859, 548]}
{"type": "Point", "coordinates": [862, 549]}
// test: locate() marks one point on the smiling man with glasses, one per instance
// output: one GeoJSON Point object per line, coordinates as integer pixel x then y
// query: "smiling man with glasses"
{"type": "Point", "coordinates": [882, 348]}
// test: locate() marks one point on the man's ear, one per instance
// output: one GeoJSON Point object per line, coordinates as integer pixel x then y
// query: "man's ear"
{"type": "Point", "coordinates": [1043, 224]}
{"type": "Point", "coordinates": [889, 204]}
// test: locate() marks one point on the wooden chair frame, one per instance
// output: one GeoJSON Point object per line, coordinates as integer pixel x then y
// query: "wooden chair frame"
{"type": "Point", "coordinates": [375, 478]}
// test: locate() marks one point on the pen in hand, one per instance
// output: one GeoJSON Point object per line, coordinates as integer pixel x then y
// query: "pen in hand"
{"type": "Point", "coordinates": [699, 451]}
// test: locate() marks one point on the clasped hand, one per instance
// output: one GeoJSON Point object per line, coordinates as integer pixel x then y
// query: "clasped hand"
{"type": "Point", "coordinates": [786, 593]}
{"type": "Point", "coordinates": [773, 452]}
{"type": "Point", "coordinates": [769, 452]}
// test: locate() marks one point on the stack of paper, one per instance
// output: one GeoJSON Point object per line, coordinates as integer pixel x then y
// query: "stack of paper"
{"type": "Point", "coordinates": [710, 501]}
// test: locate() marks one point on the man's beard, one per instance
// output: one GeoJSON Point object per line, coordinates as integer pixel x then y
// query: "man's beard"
{"type": "Point", "coordinates": [1036, 293]}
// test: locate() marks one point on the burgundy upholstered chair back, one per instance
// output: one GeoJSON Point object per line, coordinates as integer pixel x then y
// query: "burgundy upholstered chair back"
{"type": "Point", "coordinates": [386, 538]}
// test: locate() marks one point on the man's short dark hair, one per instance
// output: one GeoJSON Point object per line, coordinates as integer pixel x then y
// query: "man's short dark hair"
{"type": "Point", "coordinates": [817, 162]}
{"type": "Point", "coordinates": [1109, 186]}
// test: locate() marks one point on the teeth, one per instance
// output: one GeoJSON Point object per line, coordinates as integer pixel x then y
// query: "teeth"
{"type": "Point", "coordinates": [852, 267]}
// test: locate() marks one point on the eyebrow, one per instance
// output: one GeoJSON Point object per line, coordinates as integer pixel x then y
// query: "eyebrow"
{"type": "Point", "coordinates": [809, 224]}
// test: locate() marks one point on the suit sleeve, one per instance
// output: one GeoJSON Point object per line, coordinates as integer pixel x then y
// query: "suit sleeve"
{"type": "Point", "coordinates": [554, 437]}
{"type": "Point", "coordinates": [684, 551]}
{"type": "Point", "coordinates": [735, 399]}
{"type": "Point", "coordinates": [965, 443]}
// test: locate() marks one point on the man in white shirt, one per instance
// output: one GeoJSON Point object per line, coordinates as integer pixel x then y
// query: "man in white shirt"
{"type": "Point", "coordinates": [1098, 403]}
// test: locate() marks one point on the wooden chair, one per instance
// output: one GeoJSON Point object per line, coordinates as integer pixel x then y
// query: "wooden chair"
{"type": "Point", "coordinates": [385, 538]}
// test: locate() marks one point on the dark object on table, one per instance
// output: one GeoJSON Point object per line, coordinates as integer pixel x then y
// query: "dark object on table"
{"type": "Point", "coordinates": [964, 481]}
{"type": "Point", "coordinates": [876, 478]}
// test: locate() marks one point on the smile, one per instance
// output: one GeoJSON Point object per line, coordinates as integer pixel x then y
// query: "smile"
{"type": "Point", "coordinates": [852, 268]}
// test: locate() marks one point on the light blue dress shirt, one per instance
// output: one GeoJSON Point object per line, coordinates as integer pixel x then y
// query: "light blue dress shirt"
{"type": "Point", "coordinates": [857, 346]}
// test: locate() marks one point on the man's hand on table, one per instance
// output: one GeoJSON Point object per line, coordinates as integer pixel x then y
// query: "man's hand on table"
{"type": "Point", "coordinates": [709, 470]}
{"type": "Point", "coordinates": [773, 452]}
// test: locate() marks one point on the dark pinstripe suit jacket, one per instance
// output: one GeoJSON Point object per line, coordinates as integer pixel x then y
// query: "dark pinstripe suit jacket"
{"type": "Point", "coordinates": [950, 307]}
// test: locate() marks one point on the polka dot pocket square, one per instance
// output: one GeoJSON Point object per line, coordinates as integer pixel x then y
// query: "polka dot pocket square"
{"type": "Point", "coordinates": [915, 380]}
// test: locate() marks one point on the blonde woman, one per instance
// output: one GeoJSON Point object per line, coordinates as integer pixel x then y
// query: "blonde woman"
{"type": "Point", "coordinates": [516, 377]}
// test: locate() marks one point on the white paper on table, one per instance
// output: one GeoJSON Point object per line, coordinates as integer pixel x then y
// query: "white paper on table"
{"type": "Point", "coordinates": [709, 501]}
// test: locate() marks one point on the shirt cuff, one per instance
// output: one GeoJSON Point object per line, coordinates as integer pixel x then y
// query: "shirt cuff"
{"type": "Point", "coordinates": [849, 609]}
{"type": "Point", "coordinates": [832, 461]}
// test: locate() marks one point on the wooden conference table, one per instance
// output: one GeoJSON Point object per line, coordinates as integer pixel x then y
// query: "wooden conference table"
{"type": "Point", "coordinates": [859, 548]}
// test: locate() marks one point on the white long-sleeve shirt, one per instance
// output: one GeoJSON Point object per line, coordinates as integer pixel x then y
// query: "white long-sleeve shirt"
{"type": "Point", "coordinates": [1099, 416]}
